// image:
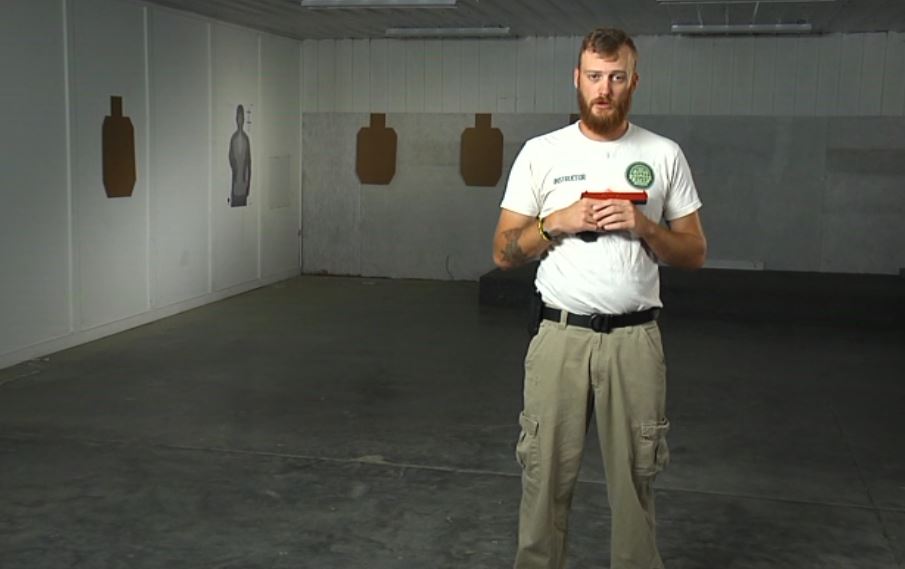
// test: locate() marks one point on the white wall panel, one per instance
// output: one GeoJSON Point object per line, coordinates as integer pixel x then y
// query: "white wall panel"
{"type": "Point", "coordinates": [742, 76]}
{"type": "Point", "coordinates": [828, 76]}
{"type": "Point", "coordinates": [361, 76]}
{"type": "Point", "coordinates": [326, 76]}
{"type": "Point", "coordinates": [702, 76]}
{"type": "Point", "coordinates": [544, 78]}
{"type": "Point", "coordinates": [659, 70]}
{"type": "Point", "coordinates": [507, 86]}
{"type": "Point", "coordinates": [894, 73]}
{"type": "Point", "coordinates": [768, 76]}
{"type": "Point", "coordinates": [647, 72]}
{"type": "Point", "coordinates": [870, 103]}
{"type": "Point", "coordinates": [488, 82]}
{"type": "Point", "coordinates": [807, 64]}
{"type": "Point", "coordinates": [280, 139]}
{"type": "Point", "coordinates": [526, 74]}
{"type": "Point", "coordinates": [345, 84]}
{"type": "Point", "coordinates": [108, 59]}
{"type": "Point", "coordinates": [785, 76]}
{"type": "Point", "coordinates": [308, 80]}
{"type": "Point", "coordinates": [765, 55]}
{"type": "Point", "coordinates": [396, 76]}
{"type": "Point", "coordinates": [414, 76]}
{"type": "Point", "coordinates": [235, 229]}
{"type": "Point", "coordinates": [433, 76]}
{"type": "Point", "coordinates": [34, 219]}
{"type": "Point", "coordinates": [452, 75]}
{"type": "Point", "coordinates": [379, 73]}
{"type": "Point", "coordinates": [723, 71]}
{"type": "Point", "coordinates": [470, 66]}
{"type": "Point", "coordinates": [850, 77]}
{"type": "Point", "coordinates": [683, 65]}
{"type": "Point", "coordinates": [179, 71]}
{"type": "Point", "coordinates": [563, 76]}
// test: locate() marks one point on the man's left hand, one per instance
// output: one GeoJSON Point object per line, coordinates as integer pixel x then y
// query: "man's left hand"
{"type": "Point", "coordinates": [620, 215]}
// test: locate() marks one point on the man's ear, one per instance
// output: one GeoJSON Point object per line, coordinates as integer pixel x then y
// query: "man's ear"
{"type": "Point", "coordinates": [575, 78]}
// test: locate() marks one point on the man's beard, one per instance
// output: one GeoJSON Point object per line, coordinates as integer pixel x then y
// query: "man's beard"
{"type": "Point", "coordinates": [604, 125]}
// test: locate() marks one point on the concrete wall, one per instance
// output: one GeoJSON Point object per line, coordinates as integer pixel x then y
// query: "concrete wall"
{"type": "Point", "coordinates": [788, 194]}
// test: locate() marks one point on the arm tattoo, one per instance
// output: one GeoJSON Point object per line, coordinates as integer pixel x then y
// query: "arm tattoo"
{"type": "Point", "coordinates": [511, 250]}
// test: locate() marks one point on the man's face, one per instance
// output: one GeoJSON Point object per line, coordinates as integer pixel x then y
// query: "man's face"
{"type": "Point", "coordinates": [605, 85]}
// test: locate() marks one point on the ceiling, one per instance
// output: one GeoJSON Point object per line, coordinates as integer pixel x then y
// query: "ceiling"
{"type": "Point", "coordinates": [549, 17]}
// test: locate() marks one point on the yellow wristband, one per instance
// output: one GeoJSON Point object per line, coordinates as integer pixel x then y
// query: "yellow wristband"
{"type": "Point", "coordinates": [540, 228]}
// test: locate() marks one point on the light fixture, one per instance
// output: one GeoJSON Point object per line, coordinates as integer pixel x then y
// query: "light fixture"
{"type": "Point", "coordinates": [346, 4]}
{"type": "Point", "coordinates": [695, 2]}
{"type": "Point", "coordinates": [482, 32]}
{"type": "Point", "coordinates": [741, 29]}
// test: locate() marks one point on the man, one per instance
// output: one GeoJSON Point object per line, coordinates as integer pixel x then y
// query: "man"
{"type": "Point", "coordinates": [597, 350]}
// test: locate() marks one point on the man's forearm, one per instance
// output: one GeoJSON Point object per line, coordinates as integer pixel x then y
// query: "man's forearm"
{"type": "Point", "coordinates": [519, 245]}
{"type": "Point", "coordinates": [677, 249]}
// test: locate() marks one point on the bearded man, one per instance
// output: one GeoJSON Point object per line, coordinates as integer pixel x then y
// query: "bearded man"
{"type": "Point", "coordinates": [597, 350]}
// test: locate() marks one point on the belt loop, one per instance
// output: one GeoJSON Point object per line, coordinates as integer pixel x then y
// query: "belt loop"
{"type": "Point", "coordinates": [563, 318]}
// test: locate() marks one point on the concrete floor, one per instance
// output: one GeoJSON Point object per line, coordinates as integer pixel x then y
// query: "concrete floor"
{"type": "Point", "coordinates": [354, 423]}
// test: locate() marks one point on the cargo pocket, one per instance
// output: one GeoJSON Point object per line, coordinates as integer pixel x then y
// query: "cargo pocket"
{"type": "Point", "coordinates": [526, 447]}
{"type": "Point", "coordinates": [651, 332]}
{"type": "Point", "coordinates": [651, 450]}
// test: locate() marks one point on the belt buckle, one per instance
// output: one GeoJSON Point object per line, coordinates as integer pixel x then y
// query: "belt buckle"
{"type": "Point", "coordinates": [601, 323]}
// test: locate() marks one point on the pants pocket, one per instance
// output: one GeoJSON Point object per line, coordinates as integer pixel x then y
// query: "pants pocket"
{"type": "Point", "coordinates": [526, 447]}
{"type": "Point", "coordinates": [651, 450]}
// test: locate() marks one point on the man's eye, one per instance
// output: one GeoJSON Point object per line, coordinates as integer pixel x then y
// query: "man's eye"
{"type": "Point", "coordinates": [618, 77]}
{"type": "Point", "coordinates": [594, 77]}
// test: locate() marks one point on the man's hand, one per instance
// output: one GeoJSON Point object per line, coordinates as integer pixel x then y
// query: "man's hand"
{"type": "Point", "coordinates": [620, 215]}
{"type": "Point", "coordinates": [578, 217]}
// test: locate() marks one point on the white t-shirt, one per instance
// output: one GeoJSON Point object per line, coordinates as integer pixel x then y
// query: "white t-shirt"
{"type": "Point", "coordinates": [614, 274]}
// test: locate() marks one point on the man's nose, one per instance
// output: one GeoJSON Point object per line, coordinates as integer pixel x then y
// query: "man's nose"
{"type": "Point", "coordinates": [605, 87]}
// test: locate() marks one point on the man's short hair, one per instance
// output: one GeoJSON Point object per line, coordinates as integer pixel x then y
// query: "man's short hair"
{"type": "Point", "coordinates": [606, 41]}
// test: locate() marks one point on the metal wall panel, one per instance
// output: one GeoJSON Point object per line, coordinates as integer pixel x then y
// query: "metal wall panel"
{"type": "Point", "coordinates": [308, 79]}
{"type": "Point", "coordinates": [872, 68]}
{"type": "Point", "coordinates": [379, 76]}
{"type": "Point", "coordinates": [433, 76]}
{"type": "Point", "coordinates": [326, 75]}
{"type": "Point", "coordinates": [894, 74]}
{"type": "Point", "coordinates": [414, 76]}
{"type": "Point", "coordinates": [835, 75]}
{"type": "Point", "coordinates": [361, 76]}
{"type": "Point", "coordinates": [344, 72]}
{"type": "Point", "coordinates": [451, 63]}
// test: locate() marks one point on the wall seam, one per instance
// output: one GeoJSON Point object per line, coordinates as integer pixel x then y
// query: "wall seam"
{"type": "Point", "coordinates": [148, 178]}
{"type": "Point", "coordinates": [210, 158]}
{"type": "Point", "coordinates": [70, 202]}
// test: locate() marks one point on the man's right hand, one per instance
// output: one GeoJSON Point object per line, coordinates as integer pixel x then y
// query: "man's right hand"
{"type": "Point", "coordinates": [573, 219]}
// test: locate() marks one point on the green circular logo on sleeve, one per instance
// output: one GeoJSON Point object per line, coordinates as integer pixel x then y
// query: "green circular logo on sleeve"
{"type": "Point", "coordinates": [640, 175]}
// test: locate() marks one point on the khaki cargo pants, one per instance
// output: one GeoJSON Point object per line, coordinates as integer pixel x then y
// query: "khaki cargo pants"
{"type": "Point", "coordinates": [620, 377]}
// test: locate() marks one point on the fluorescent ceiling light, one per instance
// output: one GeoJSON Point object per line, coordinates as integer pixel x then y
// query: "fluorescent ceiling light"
{"type": "Point", "coordinates": [483, 32]}
{"type": "Point", "coordinates": [741, 29]}
{"type": "Point", "coordinates": [344, 4]}
{"type": "Point", "coordinates": [695, 2]}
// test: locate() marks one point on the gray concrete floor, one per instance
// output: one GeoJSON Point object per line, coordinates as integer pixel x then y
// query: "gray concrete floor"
{"type": "Point", "coordinates": [330, 422]}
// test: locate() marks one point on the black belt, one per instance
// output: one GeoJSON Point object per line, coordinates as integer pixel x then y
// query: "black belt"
{"type": "Point", "coordinates": [602, 322]}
